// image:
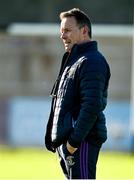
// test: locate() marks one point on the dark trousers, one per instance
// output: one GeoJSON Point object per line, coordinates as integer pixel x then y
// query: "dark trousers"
{"type": "Point", "coordinates": [80, 165]}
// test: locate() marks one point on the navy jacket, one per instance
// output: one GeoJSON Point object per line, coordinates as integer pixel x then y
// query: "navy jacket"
{"type": "Point", "coordinates": [79, 98]}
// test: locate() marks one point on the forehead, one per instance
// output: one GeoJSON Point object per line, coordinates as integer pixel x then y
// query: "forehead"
{"type": "Point", "coordinates": [68, 22]}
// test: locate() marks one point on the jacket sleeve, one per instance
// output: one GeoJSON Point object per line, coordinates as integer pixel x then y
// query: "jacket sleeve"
{"type": "Point", "coordinates": [92, 82]}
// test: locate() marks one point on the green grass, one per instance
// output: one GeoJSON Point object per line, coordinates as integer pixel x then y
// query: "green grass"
{"type": "Point", "coordinates": [39, 164]}
{"type": "Point", "coordinates": [115, 165]}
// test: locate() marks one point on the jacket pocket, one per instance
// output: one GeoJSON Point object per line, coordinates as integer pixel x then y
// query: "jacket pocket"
{"type": "Point", "coordinates": [64, 128]}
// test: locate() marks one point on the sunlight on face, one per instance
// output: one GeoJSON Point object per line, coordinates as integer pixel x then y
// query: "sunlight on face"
{"type": "Point", "coordinates": [70, 33]}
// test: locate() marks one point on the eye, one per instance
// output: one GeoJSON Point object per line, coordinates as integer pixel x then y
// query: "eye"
{"type": "Point", "coordinates": [66, 30]}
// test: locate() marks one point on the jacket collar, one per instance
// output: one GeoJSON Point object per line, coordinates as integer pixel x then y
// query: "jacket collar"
{"type": "Point", "coordinates": [79, 49]}
{"type": "Point", "coordinates": [84, 47]}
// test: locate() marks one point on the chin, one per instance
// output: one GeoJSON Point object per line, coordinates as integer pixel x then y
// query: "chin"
{"type": "Point", "coordinates": [67, 49]}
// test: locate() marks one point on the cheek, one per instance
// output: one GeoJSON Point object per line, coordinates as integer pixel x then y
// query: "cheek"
{"type": "Point", "coordinates": [77, 38]}
{"type": "Point", "coordinates": [70, 35]}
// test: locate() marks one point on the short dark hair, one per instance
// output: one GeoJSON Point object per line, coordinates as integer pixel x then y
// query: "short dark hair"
{"type": "Point", "coordinates": [82, 18]}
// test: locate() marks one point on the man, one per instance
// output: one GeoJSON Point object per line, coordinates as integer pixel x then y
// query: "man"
{"type": "Point", "coordinates": [76, 126]}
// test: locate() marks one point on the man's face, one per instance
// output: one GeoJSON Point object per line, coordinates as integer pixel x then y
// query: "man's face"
{"type": "Point", "coordinates": [70, 33]}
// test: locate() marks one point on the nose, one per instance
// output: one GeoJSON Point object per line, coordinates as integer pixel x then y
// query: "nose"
{"type": "Point", "coordinates": [62, 35]}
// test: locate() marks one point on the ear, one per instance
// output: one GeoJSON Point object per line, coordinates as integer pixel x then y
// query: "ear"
{"type": "Point", "coordinates": [85, 30]}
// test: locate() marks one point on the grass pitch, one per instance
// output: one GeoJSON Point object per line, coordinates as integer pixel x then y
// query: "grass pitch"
{"type": "Point", "coordinates": [39, 164]}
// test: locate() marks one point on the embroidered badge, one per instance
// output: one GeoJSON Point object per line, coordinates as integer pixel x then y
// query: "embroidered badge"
{"type": "Point", "coordinates": [70, 160]}
{"type": "Point", "coordinates": [71, 71]}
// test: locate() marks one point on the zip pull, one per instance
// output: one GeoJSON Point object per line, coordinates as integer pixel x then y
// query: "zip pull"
{"type": "Point", "coordinates": [55, 87]}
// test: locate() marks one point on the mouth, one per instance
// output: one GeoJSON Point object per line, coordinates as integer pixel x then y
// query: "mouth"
{"type": "Point", "coordinates": [66, 42]}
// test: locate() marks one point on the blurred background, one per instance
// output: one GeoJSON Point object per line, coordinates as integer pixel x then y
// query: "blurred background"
{"type": "Point", "coordinates": [30, 56]}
